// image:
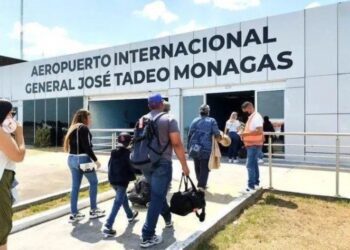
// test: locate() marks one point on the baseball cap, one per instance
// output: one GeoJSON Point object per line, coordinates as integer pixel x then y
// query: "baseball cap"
{"type": "Point", "coordinates": [155, 98]}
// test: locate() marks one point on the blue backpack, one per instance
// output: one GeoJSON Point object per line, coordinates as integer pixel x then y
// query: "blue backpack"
{"type": "Point", "coordinates": [146, 148]}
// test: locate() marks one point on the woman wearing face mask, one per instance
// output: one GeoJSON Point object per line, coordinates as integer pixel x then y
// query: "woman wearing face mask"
{"type": "Point", "coordinates": [12, 149]}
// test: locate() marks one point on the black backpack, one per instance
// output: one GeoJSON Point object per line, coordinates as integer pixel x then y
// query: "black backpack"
{"type": "Point", "coordinates": [185, 202]}
{"type": "Point", "coordinates": [141, 193]}
{"type": "Point", "coordinates": [146, 148]}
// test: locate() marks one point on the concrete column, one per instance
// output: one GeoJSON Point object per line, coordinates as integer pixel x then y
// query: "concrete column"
{"type": "Point", "coordinates": [175, 100]}
{"type": "Point", "coordinates": [86, 102]}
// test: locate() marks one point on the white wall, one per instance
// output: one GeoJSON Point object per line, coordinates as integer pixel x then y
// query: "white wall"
{"type": "Point", "coordinates": [294, 110]}
{"type": "Point", "coordinates": [321, 40]}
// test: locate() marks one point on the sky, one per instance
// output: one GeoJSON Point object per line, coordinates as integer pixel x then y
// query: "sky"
{"type": "Point", "coordinates": [59, 27]}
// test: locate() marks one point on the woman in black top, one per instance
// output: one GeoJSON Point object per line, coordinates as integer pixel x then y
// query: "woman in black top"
{"type": "Point", "coordinates": [78, 143]}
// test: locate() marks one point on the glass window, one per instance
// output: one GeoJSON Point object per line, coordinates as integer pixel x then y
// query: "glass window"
{"type": "Point", "coordinates": [191, 105]}
{"type": "Point", "coordinates": [51, 119]}
{"type": "Point", "coordinates": [40, 120]}
{"type": "Point", "coordinates": [40, 113]}
{"type": "Point", "coordinates": [75, 103]}
{"type": "Point", "coordinates": [28, 122]}
{"type": "Point", "coordinates": [62, 120]}
{"type": "Point", "coordinates": [271, 104]}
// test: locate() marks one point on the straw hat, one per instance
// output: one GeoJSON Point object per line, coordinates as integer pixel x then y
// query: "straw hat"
{"type": "Point", "coordinates": [225, 140]}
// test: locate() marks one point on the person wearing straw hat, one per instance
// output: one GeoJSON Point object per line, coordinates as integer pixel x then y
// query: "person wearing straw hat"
{"type": "Point", "coordinates": [200, 143]}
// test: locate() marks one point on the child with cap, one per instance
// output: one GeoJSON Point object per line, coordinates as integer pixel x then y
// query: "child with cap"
{"type": "Point", "coordinates": [120, 173]}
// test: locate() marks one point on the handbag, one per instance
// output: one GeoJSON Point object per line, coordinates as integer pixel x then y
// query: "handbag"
{"type": "Point", "coordinates": [85, 167]}
{"type": "Point", "coordinates": [190, 200]}
{"type": "Point", "coordinates": [215, 156]}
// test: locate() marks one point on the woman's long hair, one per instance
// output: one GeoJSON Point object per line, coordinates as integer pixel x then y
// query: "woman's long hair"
{"type": "Point", "coordinates": [233, 117]}
{"type": "Point", "coordinates": [79, 118]}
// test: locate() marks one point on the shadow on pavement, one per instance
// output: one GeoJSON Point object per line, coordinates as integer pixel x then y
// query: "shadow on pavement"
{"type": "Point", "coordinates": [218, 198]}
{"type": "Point", "coordinates": [128, 239]}
{"type": "Point", "coordinates": [88, 232]}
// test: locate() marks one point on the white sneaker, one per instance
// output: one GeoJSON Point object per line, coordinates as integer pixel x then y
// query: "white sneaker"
{"type": "Point", "coordinates": [260, 161]}
{"type": "Point", "coordinates": [155, 240]}
{"type": "Point", "coordinates": [229, 160]}
{"type": "Point", "coordinates": [248, 190]}
{"type": "Point", "coordinates": [97, 213]}
{"type": "Point", "coordinates": [235, 161]}
{"type": "Point", "coordinates": [76, 217]}
{"type": "Point", "coordinates": [257, 187]}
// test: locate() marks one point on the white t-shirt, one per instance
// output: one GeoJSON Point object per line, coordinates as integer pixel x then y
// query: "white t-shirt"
{"type": "Point", "coordinates": [257, 121]}
{"type": "Point", "coordinates": [6, 163]}
{"type": "Point", "coordinates": [233, 126]}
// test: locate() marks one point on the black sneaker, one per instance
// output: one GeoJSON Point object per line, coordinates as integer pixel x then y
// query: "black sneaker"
{"type": "Point", "coordinates": [134, 215]}
{"type": "Point", "coordinates": [76, 217]}
{"type": "Point", "coordinates": [108, 232]}
{"type": "Point", "coordinates": [97, 213]}
{"type": "Point", "coordinates": [155, 240]}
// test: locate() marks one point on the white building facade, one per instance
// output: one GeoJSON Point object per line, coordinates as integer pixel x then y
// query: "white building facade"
{"type": "Point", "coordinates": [295, 68]}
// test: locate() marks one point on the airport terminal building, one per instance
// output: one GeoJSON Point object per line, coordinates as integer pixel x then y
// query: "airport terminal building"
{"type": "Point", "coordinates": [295, 68]}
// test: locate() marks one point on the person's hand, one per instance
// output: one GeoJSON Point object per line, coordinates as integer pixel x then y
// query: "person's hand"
{"type": "Point", "coordinates": [19, 130]}
{"type": "Point", "coordinates": [98, 164]}
{"type": "Point", "coordinates": [186, 170]}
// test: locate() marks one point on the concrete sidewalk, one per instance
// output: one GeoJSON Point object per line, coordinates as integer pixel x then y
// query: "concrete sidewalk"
{"type": "Point", "coordinates": [43, 173]}
{"type": "Point", "coordinates": [224, 185]}
{"type": "Point", "coordinates": [49, 169]}
{"type": "Point", "coordinates": [59, 234]}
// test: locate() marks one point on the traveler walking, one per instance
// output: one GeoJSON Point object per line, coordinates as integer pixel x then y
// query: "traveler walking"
{"type": "Point", "coordinates": [200, 143]}
{"type": "Point", "coordinates": [159, 175]}
{"type": "Point", "coordinates": [120, 173]}
{"type": "Point", "coordinates": [78, 143]}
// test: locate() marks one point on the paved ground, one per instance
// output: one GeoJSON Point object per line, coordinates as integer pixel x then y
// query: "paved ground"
{"type": "Point", "coordinates": [224, 185]}
{"type": "Point", "coordinates": [44, 173]}
{"type": "Point", "coordinates": [50, 170]}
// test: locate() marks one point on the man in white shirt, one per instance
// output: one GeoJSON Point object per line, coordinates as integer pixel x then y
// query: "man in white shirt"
{"type": "Point", "coordinates": [253, 138]}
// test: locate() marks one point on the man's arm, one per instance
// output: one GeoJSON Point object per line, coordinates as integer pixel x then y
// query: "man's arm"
{"type": "Point", "coordinates": [216, 131]}
{"type": "Point", "coordinates": [175, 140]}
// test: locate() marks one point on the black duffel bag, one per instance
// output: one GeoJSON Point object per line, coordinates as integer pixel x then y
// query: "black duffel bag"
{"type": "Point", "coordinates": [188, 201]}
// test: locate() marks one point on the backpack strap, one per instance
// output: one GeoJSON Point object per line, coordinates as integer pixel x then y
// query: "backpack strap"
{"type": "Point", "coordinates": [155, 120]}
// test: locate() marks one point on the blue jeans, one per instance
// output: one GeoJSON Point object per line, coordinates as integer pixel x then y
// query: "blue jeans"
{"type": "Point", "coordinates": [121, 199]}
{"type": "Point", "coordinates": [159, 178]}
{"type": "Point", "coordinates": [201, 167]}
{"type": "Point", "coordinates": [253, 153]}
{"type": "Point", "coordinates": [77, 175]}
{"type": "Point", "coordinates": [261, 154]}
{"type": "Point", "coordinates": [235, 145]}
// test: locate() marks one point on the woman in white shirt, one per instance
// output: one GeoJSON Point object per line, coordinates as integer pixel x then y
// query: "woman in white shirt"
{"type": "Point", "coordinates": [232, 128]}
{"type": "Point", "coordinates": [12, 149]}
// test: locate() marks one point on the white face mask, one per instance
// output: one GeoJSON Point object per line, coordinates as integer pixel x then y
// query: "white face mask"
{"type": "Point", "coordinates": [9, 125]}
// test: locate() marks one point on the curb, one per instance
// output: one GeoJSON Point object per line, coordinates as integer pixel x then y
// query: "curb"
{"type": "Point", "coordinates": [55, 213]}
{"type": "Point", "coordinates": [46, 198]}
{"type": "Point", "coordinates": [231, 211]}
{"type": "Point", "coordinates": [317, 196]}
